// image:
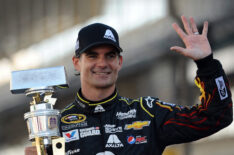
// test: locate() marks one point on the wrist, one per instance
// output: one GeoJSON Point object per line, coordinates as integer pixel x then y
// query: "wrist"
{"type": "Point", "coordinates": [208, 67]}
{"type": "Point", "coordinates": [204, 62]}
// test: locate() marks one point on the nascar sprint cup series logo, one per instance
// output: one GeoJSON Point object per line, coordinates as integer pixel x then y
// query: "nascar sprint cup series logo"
{"type": "Point", "coordinates": [73, 118]}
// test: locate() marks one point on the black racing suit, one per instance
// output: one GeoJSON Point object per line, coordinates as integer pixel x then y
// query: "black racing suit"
{"type": "Point", "coordinates": [145, 126]}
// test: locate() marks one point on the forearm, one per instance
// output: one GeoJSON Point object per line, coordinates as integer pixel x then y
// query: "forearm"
{"type": "Point", "coordinates": [215, 91]}
{"type": "Point", "coordinates": [211, 115]}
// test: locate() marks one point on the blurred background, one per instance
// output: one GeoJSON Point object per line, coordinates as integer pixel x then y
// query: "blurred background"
{"type": "Point", "coordinates": [42, 33]}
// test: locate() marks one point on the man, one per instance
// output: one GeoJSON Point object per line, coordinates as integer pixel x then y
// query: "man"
{"type": "Point", "coordinates": [102, 122]}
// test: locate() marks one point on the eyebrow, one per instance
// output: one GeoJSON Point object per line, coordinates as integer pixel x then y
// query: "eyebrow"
{"type": "Point", "coordinates": [90, 52]}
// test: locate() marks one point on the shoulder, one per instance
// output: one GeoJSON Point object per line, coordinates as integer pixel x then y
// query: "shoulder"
{"type": "Point", "coordinates": [144, 104]}
{"type": "Point", "coordinates": [154, 106]}
{"type": "Point", "coordinates": [148, 104]}
{"type": "Point", "coordinates": [68, 109]}
{"type": "Point", "coordinates": [128, 101]}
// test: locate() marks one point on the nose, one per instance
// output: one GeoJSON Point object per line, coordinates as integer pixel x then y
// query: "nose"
{"type": "Point", "coordinates": [102, 62]}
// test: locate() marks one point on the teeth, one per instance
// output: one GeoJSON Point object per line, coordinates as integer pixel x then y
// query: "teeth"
{"type": "Point", "coordinates": [101, 73]}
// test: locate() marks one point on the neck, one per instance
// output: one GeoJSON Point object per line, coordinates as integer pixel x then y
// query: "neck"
{"type": "Point", "coordinates": [97, 94]}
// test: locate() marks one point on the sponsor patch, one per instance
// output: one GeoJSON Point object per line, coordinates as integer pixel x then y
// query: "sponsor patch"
{"type": "Point", "coordinates": [149, 101]}
{"type": "Point", "coordinates": [81, 104]}
{"type": "Point", "coordinates": [114, 142]}
{"type": "Point", "coordinates": [221, 87]}
{"type": "Point", "coordinates": [131, 140]}
{"type": "Point", "coordinates": [68, 107]}
{"type": "Point", "coordinates": [138, 125]}
{"type": "Point", "coordinates": [89, 132]}
{"type": "Point", "coordinates": [136, 140]}
{"type": "Point", "coordinates": [124, 115]}
{"type": "Point", "coordinates": [71, 135]}
{"type": "Point", "coordinates": [74, 126]}
{"type": "Point", "coordinates": [169, 104]}
{"type": "Point", "coordinates": [109, 35]}
{"type": "Point", "coordinates": [70, 152]}
{"type": "Point", "coordinates": [105, 153]}
{"type": "Point", "coordinates": [77, 45]}
{"type": "Point", "coordinates": [111, 128]}
{"type": "Point", "coordinates": [73, 118]}
{"type": "Point", "coordinates": [99, 108]}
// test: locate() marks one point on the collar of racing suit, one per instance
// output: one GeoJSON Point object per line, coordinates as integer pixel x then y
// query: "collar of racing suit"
{"type": "Point", "coordinates": [96, 106]}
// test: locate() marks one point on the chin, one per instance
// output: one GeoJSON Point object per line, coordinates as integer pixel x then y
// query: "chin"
{"type": "Point", "coordinates": [104, 85]}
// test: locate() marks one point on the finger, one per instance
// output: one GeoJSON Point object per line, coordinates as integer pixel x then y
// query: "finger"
{"type": "Point", "coordinates": [31, 150]}
{"type": "Point", "coordinates": [186, 25]}
{"type": "Point", "coordinates": [179, 31]}
{"type": "Point", "coordinates": [205, 28]}
{"type": "Point", "coordinates": [193, 25]}
{"type": "Point", "coordinates": [180, 50]}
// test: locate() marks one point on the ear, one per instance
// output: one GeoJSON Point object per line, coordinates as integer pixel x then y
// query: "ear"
{"type": "Point", "coordinates": [120, 61]}
{"type": "Point", "coordinates": [76, 63]}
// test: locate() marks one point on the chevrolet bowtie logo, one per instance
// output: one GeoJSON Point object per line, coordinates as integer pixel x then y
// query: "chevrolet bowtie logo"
{"type": "Point", "coordinates": [138, 125]}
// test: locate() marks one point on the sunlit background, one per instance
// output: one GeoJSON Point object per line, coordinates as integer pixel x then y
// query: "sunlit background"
{"type": "Point", "coordinates": [42, 33]}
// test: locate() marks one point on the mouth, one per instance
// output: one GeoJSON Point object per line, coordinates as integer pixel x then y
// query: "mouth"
{"type": "Point", "coordinates": [101, 73]}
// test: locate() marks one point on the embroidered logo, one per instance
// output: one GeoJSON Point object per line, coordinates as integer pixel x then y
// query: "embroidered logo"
{"type": "Point", "coordinates": [74, 126]}
{"type": "Point", "coordinates": [77, 45]}
{"type": "Point", "coordinates": [70, 152]}
{"type": "Point", "coordinates": [221, 87]}
{"type": "Point", "coordinates": [92, 131]}
{"type": "Point", "coordinates": [136, 140]}
{"type": "Point", "coordinates": [105, 153]}
{"type": "Point", "coordinates": [109, 35]}
{"type": "Point", "coordinates": [149, 101]}
{"type": "Point", "coordinates": [99, 108]}
{"type": "Point", "coordinates": [113, 141]}
{"type": "Point", "coordinates": [124, 115]}
{"type": "Point", "coordinates": [169, 104]}
{"type": "Point", "coordinates": [73, 118]}
{"type": "Point", "coordinates": [138, 125]}
{"type": "Point", "coordinates": [111, 128]}
{"type": "Point", "coordinates": [71, 135]}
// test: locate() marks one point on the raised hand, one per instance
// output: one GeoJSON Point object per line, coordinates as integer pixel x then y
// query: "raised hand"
{"type": "Point", "coordinates": [197, 45]}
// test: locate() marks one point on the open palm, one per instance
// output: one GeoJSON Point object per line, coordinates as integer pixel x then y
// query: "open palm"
{"type": "Point", "coordinates": [197, 45]}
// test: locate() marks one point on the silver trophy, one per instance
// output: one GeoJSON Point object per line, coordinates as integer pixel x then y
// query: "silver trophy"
{"type": "Point", "coordinates": [42, 120]}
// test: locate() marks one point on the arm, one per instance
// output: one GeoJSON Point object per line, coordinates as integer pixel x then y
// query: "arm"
{"type": "Point", "coordinates": [178, 125]}
{"type": "Point", "coordinates": [182, 124]}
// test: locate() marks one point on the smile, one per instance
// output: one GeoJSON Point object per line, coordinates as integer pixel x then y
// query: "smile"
{"type": "Point", "coordinates": [101, 73]}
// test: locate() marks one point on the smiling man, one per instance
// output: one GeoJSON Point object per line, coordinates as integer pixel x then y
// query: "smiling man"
{"type": "Point", "coordinates": [119, 125]}
{"type": "Point", "coordinates": [101, 122]}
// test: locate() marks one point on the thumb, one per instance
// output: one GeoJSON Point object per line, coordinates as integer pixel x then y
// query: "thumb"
{"type": "Point", "coordinates": [180, 50]}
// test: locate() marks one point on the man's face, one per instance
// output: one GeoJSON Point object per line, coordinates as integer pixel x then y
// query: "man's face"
{"type": "Point", "coordinates": [98, 66]}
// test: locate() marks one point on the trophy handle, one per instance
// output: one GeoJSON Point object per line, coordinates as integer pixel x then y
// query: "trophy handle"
{"type": "Point", "coordinates": [40, 147]}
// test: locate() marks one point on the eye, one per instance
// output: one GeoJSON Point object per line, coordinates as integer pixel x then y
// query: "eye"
{"type": "Point", "coordinates": [92, 56]}
{"type": "Point", "coordinates": [111, 55]}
